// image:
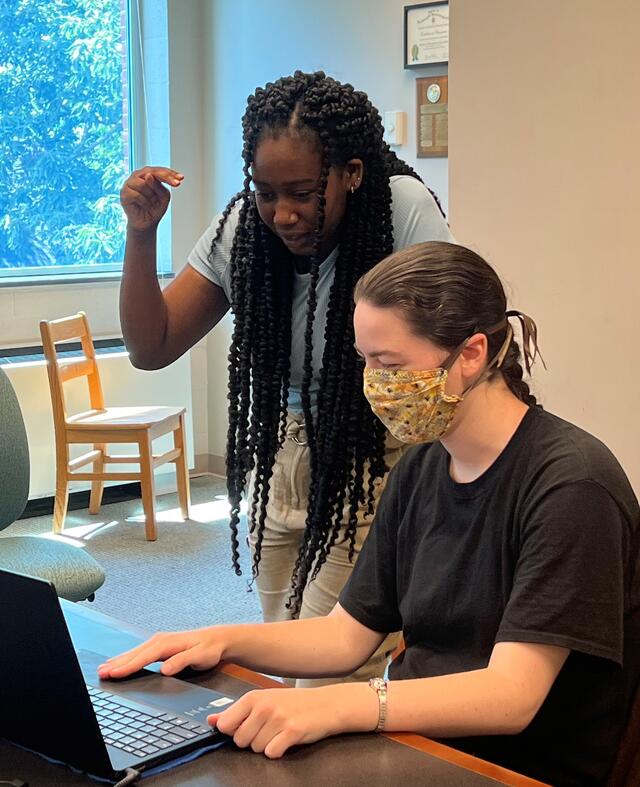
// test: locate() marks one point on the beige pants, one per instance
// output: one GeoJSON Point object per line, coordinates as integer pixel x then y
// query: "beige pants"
{"type": "Point", "coordinates": [283, 533]}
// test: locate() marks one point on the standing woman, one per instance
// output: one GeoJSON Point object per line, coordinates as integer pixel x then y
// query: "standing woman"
{"type": "Point", "coordinates": [323, 200]}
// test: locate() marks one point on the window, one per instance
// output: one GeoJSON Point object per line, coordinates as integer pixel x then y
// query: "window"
{"type": "Point", "coordinates": [66, 141]}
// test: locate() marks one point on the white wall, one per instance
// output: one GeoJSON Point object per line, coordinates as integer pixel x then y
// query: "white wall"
{"type": "Point", "coordinates": [544, 125]}
{"type": "Point", "coordinates": [22, 308]}
{"type": "Point", "coordinates": [250, 42]}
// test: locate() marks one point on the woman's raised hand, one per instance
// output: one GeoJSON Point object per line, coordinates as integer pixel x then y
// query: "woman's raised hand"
{"type": "Point", "coordinates": [200, 649]}
{"type": "Point", "coordinates": [145, 199]}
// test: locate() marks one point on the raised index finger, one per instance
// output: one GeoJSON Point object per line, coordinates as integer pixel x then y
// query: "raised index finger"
{"type": "Point", "coordinates": [163, 174]}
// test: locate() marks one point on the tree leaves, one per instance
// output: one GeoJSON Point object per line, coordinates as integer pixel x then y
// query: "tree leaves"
{"type": "Point", "coordinates": [63, 136]}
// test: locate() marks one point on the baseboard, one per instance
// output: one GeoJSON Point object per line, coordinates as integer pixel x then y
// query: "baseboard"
{"type": "Point", "coordinates": [119, 493]}
{"type": "Point", "coordinates": [41, 506]}
{"type": "Point", "coordinates": [210, 463]}
{"type": "Point", "coordinates": [165, 484]}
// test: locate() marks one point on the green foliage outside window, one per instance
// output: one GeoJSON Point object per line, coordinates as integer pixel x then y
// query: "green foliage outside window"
{"type": "Point", "coordinates": [64, 139]}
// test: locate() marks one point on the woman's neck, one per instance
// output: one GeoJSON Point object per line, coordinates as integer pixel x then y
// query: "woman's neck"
{"type": "Point", "coordinates": [487, 420]}
{"type": "Point", "coordinates": [302, 265]}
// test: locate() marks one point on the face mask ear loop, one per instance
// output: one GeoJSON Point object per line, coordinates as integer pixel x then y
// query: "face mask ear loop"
{"type": "Point", "coordinates": [453, 357]}
{"type": "Point", "coordinates": [495, 362]}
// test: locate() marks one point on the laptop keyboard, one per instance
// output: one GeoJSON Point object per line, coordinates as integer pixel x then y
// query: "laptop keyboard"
{"type": "Point", "coordinates": [137, 732]}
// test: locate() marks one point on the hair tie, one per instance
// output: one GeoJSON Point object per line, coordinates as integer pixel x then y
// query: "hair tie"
{"type": "Point", "coordinates": [530, 348]}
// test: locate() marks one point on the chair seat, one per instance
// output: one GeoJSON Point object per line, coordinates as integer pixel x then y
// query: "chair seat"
{"type": "Point", "coordinates": [74, 573]}
{"type": "Point", "coordinates": [123, 417]}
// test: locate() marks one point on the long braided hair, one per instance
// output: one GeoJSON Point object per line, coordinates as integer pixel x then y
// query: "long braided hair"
{"type": "Point", "coordinates": [346, 440]}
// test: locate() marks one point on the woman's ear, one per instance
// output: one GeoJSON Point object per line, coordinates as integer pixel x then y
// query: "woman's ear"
{"type": "Point", "coordinates": [473, 357]}
{"type": "Point", "coordinates": [354, 172]}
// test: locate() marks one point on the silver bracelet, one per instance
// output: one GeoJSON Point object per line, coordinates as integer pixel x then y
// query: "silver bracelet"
{"type": "Point", "coordinates": [379, 685]}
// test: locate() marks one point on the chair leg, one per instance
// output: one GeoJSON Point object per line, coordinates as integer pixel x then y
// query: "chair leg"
{"type": "Point", "coordinates": [97, 487]}
{"type": "Point", "coordinates": [60, 506]}
{"type": "Point", "coordinates": [147, 483]}
{"type": "Point", "coordinates": [62, 491]}
{"type": "Point", "coordinates": [182, 469]}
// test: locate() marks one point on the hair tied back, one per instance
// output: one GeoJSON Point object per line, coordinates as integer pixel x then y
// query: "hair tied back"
{"type": "Point", "coordinates": [530, 347]}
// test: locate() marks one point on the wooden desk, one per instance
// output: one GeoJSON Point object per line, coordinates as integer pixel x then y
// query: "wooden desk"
{"type": "Point", "coordinates": [343, 761]}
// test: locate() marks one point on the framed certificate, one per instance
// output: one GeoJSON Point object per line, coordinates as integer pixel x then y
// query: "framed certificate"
{"type": "Point", "coordinates": [426, 34]}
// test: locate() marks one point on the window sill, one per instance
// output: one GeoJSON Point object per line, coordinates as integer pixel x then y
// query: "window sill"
{"type": "Point", "coordinates": [33, 355]}
{"type": "Point", "coordinates": [80, 278]}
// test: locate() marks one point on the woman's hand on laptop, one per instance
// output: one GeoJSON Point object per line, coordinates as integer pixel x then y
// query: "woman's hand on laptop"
{"type": "Point", "coordinates": [199, 648]}
{"type": "Point", "coordinates": [274, 720]}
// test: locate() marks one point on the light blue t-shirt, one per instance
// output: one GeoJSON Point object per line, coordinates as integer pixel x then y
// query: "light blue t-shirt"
{"type": "Point", "coordinates": [415, 217]}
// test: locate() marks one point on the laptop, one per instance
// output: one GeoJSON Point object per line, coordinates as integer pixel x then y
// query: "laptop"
{"type": "Point", "coordinates": [53, 703]}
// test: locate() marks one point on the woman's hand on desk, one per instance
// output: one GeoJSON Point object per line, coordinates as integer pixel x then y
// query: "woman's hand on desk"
{"type": "Point", "coordinates": [273, 720]}
{"type": "Point", "coordinates": [200, 649]}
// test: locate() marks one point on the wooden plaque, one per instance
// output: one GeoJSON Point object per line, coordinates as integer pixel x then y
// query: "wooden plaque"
{"type": "Point", "coordinates": [432, 116]}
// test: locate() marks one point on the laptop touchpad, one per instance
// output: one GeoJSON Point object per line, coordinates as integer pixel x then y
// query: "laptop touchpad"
{"type": "Point", "coordinates": [156, 690]}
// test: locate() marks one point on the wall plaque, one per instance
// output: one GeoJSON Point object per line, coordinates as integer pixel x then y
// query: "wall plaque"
{"type": "Point", "coordinates": [432, 114]}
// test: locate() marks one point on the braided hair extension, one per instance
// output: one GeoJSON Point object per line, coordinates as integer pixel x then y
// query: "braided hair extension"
{"type": "Point", "coordinates": [346, 441]}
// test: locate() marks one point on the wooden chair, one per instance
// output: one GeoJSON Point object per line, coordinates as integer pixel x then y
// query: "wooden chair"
{"type": "Point", "coordinates": [103, 425]}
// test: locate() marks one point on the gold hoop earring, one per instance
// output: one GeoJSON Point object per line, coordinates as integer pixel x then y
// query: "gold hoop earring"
{"type": "Point", "coordinates": [353, 189]}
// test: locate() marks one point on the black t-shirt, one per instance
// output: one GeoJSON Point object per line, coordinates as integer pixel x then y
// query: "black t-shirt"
{"type": "Point", "coordinates": [542, 547]}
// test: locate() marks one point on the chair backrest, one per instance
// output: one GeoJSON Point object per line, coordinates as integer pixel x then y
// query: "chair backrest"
{"type": "Point", "coordinates": [14, 455]}
{"type": "Point", "coordinates": [64, 330]}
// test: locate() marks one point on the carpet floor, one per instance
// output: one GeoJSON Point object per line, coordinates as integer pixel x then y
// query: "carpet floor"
{"type": "Point", "coordinates": [182, 580]}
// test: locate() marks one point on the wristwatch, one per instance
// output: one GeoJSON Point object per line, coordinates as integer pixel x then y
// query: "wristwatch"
{"type": "Point", "coordinates": [379, 685]}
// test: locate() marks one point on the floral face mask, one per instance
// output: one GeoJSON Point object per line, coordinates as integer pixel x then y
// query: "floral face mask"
{"type": "Point", "coordinates": [413, 405]}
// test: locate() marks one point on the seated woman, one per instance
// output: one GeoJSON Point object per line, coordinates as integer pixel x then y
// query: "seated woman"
{"type": "Point", "coordinates": [505, 547]}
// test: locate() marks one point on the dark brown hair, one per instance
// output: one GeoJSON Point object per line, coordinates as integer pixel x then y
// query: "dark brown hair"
{"type": "Point", "coordinates": [447, 293]}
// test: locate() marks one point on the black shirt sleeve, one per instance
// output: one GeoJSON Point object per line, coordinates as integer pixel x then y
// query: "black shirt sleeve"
{"type": "Point", "coordinates": [568, 587]}
{"type": "Point", "coordinates": [370, 595]}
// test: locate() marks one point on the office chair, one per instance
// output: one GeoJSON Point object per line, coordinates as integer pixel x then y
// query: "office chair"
{"type": "Point", "coordinates": [75, 574]}
{"type": "Point", "coordinates": [103, 425]}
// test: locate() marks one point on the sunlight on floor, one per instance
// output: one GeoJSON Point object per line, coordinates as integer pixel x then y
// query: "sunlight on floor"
{"type": "Point", "coordinates": [75, 535]}
{"type": "Point", "coordinates": [212, 511]}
